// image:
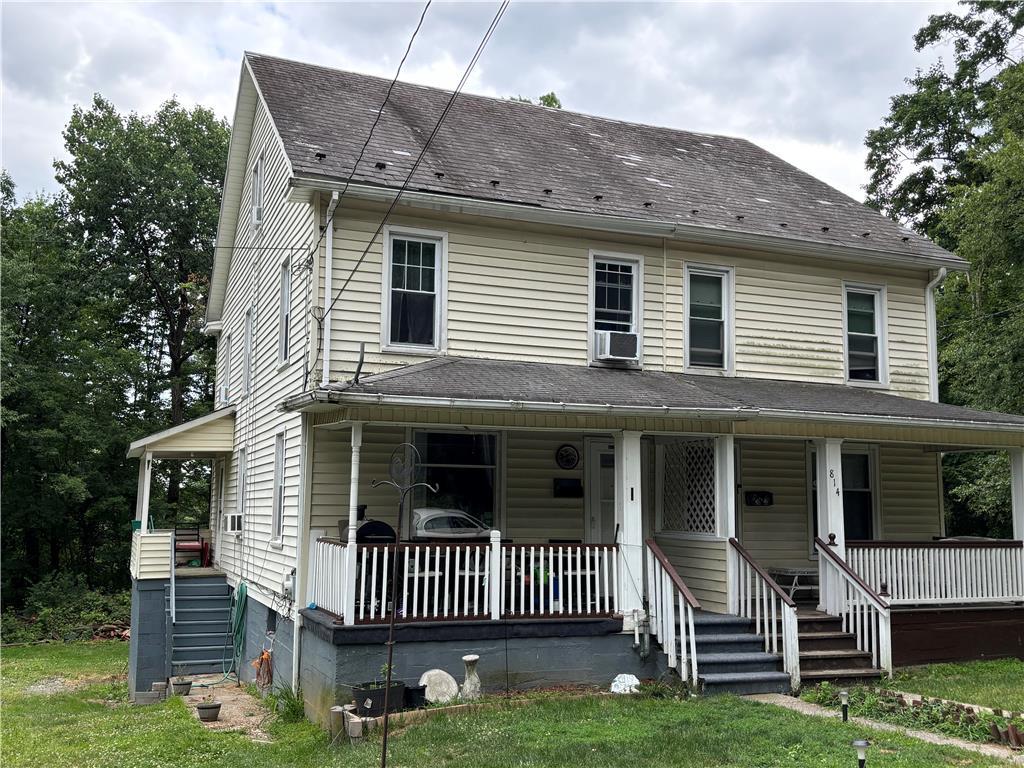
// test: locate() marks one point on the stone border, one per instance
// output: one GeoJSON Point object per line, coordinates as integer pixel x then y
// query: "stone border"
{"type": "Point", "coordinates": [977, 709]}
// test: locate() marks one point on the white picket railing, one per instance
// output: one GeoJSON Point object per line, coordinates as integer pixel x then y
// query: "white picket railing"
{"type": "Point", "coordinates": [864, 612]}
{"type": "Point", "coordinates": [760, 599]}
{"type": "Point", "coordinates": [327, 586]}
{"type": "Point", "coordinates": [671, 607]}
{"type": "Point", "coordinates": [560, 580]}
{"type": "Point", "coordinates": [939, 572]}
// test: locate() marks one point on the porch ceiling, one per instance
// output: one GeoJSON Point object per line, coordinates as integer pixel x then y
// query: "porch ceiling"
{"type": "Point", "coordinates": [210, 435]}
{"type": "Point", "coordinates": [453, 382]}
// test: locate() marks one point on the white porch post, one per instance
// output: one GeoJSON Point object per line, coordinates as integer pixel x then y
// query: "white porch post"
{"type": "Point", "coordinates": [142, 497]}
{"type": "Point", "coordinates": [628, 518]}
{"type": "Point", "coordinates": [349, 612]}
{"type": "Point", "coordinates": [725, 510]}
{"type": "Point", "coordinates": [830, 493]}
{"type": "Point", "coordinates": [1017, 491]}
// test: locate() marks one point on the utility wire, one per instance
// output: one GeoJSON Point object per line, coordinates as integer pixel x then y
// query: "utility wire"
{"type": "Point", "coordinates": [419, 159]}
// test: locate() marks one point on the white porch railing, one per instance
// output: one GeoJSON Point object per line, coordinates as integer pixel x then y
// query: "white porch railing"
{"type": "Point", "coordinates": [471, 581]}
{"type": "Point", "coordinates": [560, 580]}
{"type": "Point", "coordinates": [938, 572]}
{"type": "Point", "coordinates": [865, 614]}
{"type": "Point", "coordinates": [671, 613]}
{"type": "Point", "coordinates": [760, 598]}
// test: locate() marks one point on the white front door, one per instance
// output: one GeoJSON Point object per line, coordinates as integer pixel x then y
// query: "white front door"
{"type": "Point", "coordinates": [600, 491]}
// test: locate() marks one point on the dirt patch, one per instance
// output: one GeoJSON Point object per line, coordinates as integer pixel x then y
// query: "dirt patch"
{"type": "Point", "coordinates": [51, 686]}
{"type": "Point", "coordinates": [240, 711]}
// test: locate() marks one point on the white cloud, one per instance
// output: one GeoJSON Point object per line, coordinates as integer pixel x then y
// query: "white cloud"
{"type": "Point", "coordinates": [804, 80]}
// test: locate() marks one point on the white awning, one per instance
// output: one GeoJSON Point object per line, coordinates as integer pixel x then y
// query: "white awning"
{"type": "Point", "coordinates": [209, 435]}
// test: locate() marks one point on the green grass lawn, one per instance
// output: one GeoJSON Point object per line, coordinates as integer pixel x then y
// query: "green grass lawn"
{"type": "Point", "coordinates": [94, 726]}
{"type": "Point", "coordinates": [998, 683]}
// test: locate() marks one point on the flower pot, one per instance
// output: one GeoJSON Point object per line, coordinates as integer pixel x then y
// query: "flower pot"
{"type": "Point", "coordinates": [369, 698]}
{"type": "Point", "coordinates": [415, 696]}
{"type": "Point", "coordinates": [208, 711]}
{"type": "Point", "coordinates": [181, 687]}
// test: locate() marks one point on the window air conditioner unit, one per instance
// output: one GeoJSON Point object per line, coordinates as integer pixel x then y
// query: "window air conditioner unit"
{"type": "Point", "coordinates": [222, 394]}
{"type": "Point", "coordinates": [612, 346]}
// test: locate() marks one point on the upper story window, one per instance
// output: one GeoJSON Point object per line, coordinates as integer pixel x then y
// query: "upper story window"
{"type": "Point", "coordinates": [285, 316]}
{"type": "Point", "coordinates": [615, 307]}
{"type": "Point", "coordinates": [256, 192]}
{"type": "Point", "coordinates": [414, 286]}
{"type": "Point", "coordinates": [708, 336]}
{"type": "Point", "coordinates": [865, 334]}
{"type": "Point", "coordinates": [277, 519]}
{"type": "Point", "coordinates": [247, 354]}
{"type": "Point", "coordinates": [233, 522]}
{"type": "Point", "coordinates": [224, 390]}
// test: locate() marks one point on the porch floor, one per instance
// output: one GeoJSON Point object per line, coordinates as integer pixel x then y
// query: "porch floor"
{"type": "Point", "coordinates": [188, 572]}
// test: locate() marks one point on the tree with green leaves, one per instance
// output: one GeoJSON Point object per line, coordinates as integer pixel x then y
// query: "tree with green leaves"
{"type": "Point", "coordinates": [548, 99]}
{"type": "Point", "coordinates": [948, 159]}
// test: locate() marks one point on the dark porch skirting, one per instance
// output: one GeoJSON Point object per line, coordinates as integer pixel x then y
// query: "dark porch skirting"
{"type": "Point", "coordinates": [933, 635]}
{"type": "Point", "coordinates": [514, 654]}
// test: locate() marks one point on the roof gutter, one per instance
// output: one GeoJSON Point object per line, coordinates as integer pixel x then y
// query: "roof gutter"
{"type": "Point", "coordinates": [682, 232]}
{"type": "Point", "coordinates": [741, 413]}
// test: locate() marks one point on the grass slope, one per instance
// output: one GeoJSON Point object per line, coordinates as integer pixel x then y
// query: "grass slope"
{"type": "Point", "coordinates": [93, 726]}
{"type": "Point", "coordinates": [998, 683]}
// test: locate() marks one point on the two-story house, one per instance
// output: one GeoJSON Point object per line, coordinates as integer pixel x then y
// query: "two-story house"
{"type": "Point", "coordinates": [675, 401]}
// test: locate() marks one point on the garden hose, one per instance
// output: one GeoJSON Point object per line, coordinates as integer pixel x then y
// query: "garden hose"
{"type": "Point", "coordinates": [238, 604]}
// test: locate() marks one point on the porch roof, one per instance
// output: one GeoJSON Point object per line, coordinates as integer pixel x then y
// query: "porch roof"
{"type": "Point", "coordinates": [209, 435]}
{"type": "Point", "coordinates": [482, 383]}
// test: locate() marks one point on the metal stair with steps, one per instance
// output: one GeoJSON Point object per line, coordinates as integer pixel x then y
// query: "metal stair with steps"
{"type": "Point", "coordinates": [731, 657]}
{"type": "Point", "coordinates": [201, 640]}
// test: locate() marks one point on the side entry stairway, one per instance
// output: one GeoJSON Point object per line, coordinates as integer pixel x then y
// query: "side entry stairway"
{"type": "Point", "coordinates": [201, 633]}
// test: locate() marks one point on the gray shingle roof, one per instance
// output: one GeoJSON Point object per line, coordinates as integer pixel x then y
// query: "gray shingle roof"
{"type": "Point", "coordinates": [502, 150]}
{"type": "Point", "coordinates": [466, 378]}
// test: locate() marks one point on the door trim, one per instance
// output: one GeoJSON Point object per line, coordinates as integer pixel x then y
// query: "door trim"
{"type": "Point", "coordinates": [592, 448]}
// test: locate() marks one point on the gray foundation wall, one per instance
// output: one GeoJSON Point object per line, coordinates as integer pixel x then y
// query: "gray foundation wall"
{"type": "Point", "coordinates": [278, 642]}
{"type": "Point", "coordinates": [333, 661]}
{"type": "Point", "coordinates": [148, 645]}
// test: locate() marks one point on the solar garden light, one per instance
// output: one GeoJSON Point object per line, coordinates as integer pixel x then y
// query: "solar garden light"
{"type": "Point", "coordinates": [844, 699]}
{"type": "Point", "coordinates": [861, 745]}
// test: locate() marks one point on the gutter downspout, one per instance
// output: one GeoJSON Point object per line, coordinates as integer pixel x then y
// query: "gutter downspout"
{"type": "Point", "coordinates": [933, 334]}
{"type": "Point", "coordinates": [328, 288]}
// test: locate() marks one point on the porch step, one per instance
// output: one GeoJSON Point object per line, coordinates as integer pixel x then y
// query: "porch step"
{"type": "Point", "coordinates": [201, 614]}
{"type": "Point", "coordinates": [200, 639]}
{"type": "Point", "coordinates": [727, 643]}
{"type": "Point", "coordinates": [743, 683]}
{"type": "Point", "coordinates": [843, 658]}
{"type": "Point", "coordinates": [826, 641]}
{"type": "Point", "coordinates": [707, 623]}
{"type": "Point", "coordinates": [727, 663]}
{"type": "Point", "coordinates": [218, 627]}
{"type": "Point", "coordinates": [202, 588]}
{"type": "Point", "coordinates": [199, 652]}
{"type": "Point", "coordinates": [812, 677]}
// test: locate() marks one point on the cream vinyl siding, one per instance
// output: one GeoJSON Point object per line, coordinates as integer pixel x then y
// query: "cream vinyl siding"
{"type": "Point", "coordinates": [532, 513]}
{"type": "Point", "coordinates": [253, 281]}
{"type": "Point", "coordinates": [151, 555]}
{"type": "Point", "coordinates": [701, 565]}
{"type": "Point", "coordinates": [522, 293]}
{"type": "Point", "coordinates": [911, 493]}
{"type": "Point", "coordinates": [216, 435]}
{"type": "Point", "coordinates": [775, 535]}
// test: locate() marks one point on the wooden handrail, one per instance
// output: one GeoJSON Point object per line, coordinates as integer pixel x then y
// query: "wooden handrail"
{"type": "Point", "coordinates": [843, 566]}
{"type": "Point", "coordinates": [673, 574]}
{"type": "Point", "coordinates": [939, 544]}
{"type": "Point", "coordinates": [762, 573]}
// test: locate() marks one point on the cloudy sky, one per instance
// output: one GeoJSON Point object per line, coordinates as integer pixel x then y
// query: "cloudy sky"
{"type": "Point", "coordinates": [805, 80]}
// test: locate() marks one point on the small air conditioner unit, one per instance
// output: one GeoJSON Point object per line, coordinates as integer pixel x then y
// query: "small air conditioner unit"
{"type": "Point", "coordinates": [612, 346]}
{"type": "Point", "coordinates": [222, 394]}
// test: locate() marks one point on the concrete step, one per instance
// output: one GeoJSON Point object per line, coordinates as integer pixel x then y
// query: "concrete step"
{"type": "Point", "coordinates": [728, 643]}
{"type": "Point", "coordinates": [725, 663]}
{"type": "Point", "coordinates": [191, 588]}
{"type": "Point", "coordinates": [201, 614]}
{"type": "Point", "coordinates": [220, 627]}
{"type": "Point", "coordinates": [844, 658]}
{"type": "Point", "coordinates": [744, 683]}
{"type": "Point", "coordinates": [826, 641]}
{"type": "Point", "coordinates": [199, 653]}
{"type": "Point", "coordinates": [184, 640]}
{"type": "Point", "coordinates": [811, 677]}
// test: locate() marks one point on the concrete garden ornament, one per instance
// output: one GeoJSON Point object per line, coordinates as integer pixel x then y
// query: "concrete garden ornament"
{"type": "Point", "coordinates": [441, 687]}
{"type": "Point", "coordinates": [471, 687]}
{"type": "Point", "coordinates": [625, 684]}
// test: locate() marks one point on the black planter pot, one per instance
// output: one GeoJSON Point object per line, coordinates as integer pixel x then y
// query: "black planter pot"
{"type": "Point", "coordinates": [369, 698]}
{"type": "Point", "coordinates": [415, 696]}
{"type": "Point", "coordinates": [208, 711]}
{"type": "Point", "coordinates": [181, 687]}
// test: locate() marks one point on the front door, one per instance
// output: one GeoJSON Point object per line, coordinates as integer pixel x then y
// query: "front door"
{"type": "Point", "coordinates": [600, 492]}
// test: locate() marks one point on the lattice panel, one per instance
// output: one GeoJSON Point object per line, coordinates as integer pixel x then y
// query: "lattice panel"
{"type": "Point", "coordinates": [688, 487]}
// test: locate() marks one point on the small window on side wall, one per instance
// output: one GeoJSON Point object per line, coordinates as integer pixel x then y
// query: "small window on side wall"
{"type": "Point", "coordinates": [256, 193]}
{"type": "Point", "coordinates": [414, 291]}
{"type": "Point", "coordinates": [865, 336]}
{"type": "Point", "coordinates": [707, 336]}
{"type": "Point", "coordinates": [285, 316]}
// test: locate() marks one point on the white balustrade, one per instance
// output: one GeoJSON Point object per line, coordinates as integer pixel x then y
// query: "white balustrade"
{"type": "Point", "coordinates": [760, 599]}
{"type": "Point", "coordinates": [560, 580]}
{"type": "Point", "coordinates": [327, 585]}
{"type": "Point", "coordinates": [941, 572]}
{"type": "Point", "coordinates": [671, 607]}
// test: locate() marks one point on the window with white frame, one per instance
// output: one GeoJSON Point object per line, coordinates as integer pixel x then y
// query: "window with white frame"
{"type": "Point", "coordinates": [277, 521]}
{"type": "Point", "coordinates": [285, 316]}
{"type": "Point", "coordinates": [463, 466]}
{"type": "Point", "coordinates": [224, 391]}
{"type": "Point", "coordinates": [256, 192]}
{"type": "Point", "coordinates": [708, 327]}
{"type": "Point", "coordinates": [615, 295]}
{"type": "Point", "coordinates": [247, 353]}
{"type": "Point", "coordinates": [865, 337]}
{"type": "Point", "coordinates": [233, 522]}
{"type": "Point", "coordinates": [221, 478]}
{"type": "Point", "coordinates": [414, 287]}
{"type": "Point", "coordinates": [687, 486]}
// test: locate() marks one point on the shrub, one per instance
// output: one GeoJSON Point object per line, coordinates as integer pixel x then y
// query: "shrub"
{"type": "Point", "coordinates": [62, 607]}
